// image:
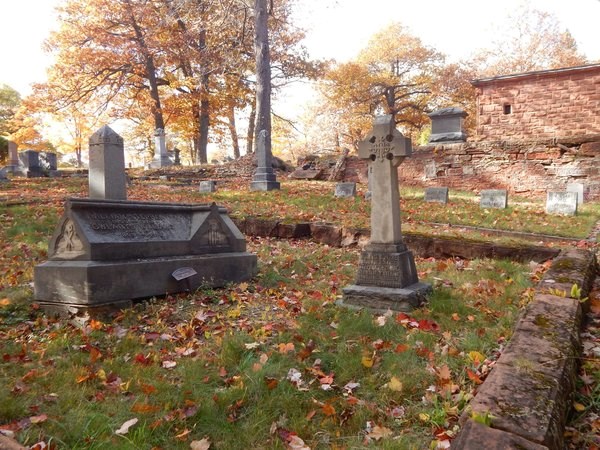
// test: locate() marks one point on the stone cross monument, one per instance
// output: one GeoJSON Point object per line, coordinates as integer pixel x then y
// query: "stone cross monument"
{"type": "Point", "coordinates": [264, 177]}
{"type": "Point", "coordinates": [107, 178]}
{"type": "Point", "coordinates": [387, 275]}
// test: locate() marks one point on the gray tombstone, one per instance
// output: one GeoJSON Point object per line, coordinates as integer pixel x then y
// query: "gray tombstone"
{"type": "Point", "coordinates": [48, 160]}
{"type": "Point", "coordinates": [107, 178]}
{"type": "Point", "coordinates": [387, 276]}
{"type": "Point", "coordinates": [579, 189]}
{"type": "Point", "coordinates": [564, 203]}
{"type": "Point", "coordinates": [161, 158]}
{"type": "Point", "coordinates": [345, 190]}
{"type": "Point", "coordinates": [264, 177]}
{"type": "Point", "coordinates": [447, 125]}
{"type": "Point", "coordinates": [177, 161]}
{"type": "Point", "coordinates": [436, 195]}
{"type": "Point", "coordinates": [430, 170]}
{"type": "Point", "coordinates": [494, 198]}
{"type": "Point", "coordinates": [106, 253]}
{"type": "Point", "coordinates": [13, 154]}
{"type": "Point", "coordinates": [30, 164]}
{"type": "Point", "coordinates": [207, 186]}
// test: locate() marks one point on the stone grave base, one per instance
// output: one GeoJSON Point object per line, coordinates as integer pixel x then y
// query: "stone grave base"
{"type": "Point", "coordinates": [381, 299]}
{"type": "Point", "coordinates": [63, 286]}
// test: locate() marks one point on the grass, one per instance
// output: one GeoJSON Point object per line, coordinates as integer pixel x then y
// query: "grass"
{"type": "Point", "coordinates": [235, 349]}
{"type": "Point", "coordinates": [256, 364]}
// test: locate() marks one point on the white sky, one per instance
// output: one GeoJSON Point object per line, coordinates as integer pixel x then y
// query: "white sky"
{"type": "Point", "coordinates": [337, 28]}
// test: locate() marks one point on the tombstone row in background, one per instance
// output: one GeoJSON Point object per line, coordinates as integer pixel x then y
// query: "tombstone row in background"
{"type": "Point", "coordinates": [556, 202]}
{"type": "Point", "coordinates": [29, 163]}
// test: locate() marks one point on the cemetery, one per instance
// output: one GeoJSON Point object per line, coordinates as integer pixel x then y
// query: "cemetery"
{"type": "Point", "coordinates": [427, 278]}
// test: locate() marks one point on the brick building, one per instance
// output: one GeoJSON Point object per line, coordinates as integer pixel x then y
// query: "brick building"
{"type": "Point", "coordinates": [545, 104]}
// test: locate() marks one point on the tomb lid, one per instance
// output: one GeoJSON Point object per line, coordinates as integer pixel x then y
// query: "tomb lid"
{"type": "Point", "coordinates": [452, 111]}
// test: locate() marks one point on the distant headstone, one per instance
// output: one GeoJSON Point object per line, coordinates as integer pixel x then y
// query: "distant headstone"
{"type": "Point", "coordinates": [177, 161]}
{"type": "Point", "coordinates": [345, 190]}
{"type": "Point", "coordinates": [30, 164]}
{"type": "Point", "coordinates": [3, 175]}
{"type": "Point", "coordinates": [105, 253]}
{"type": "Point", "coordinates": [494, 198]}
{"type": "Point", "coordinates": [207, 186]}
{"type": "Point", "coordinates": [436, 195]}
{"type": "Point", "coordinates": [13, 154]}
{"type": "Point", "coordinates": [564, 203]}
{"type": "Point", "coordinates": [386, 277]}
{"type": "Point", "coordinates": [264, 177]}
{"type": "Point", "coordinates": [161, 158]}
{"type": "Point", "coordinates": [579, 189]}
{"type": "Point", "coordinates": [107, 178]}
{"type": "Point", "coordinates": [447, 125]}
{"type": "Point", "coordinates": [430, 170]}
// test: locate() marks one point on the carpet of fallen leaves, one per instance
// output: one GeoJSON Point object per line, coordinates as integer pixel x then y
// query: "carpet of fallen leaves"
{"type": "Point", "coordinates": [270, 363]}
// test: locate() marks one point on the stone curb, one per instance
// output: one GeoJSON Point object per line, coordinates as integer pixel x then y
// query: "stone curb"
{"type": "Point", "coordinates": [529, 392]}
{"type": "Point", "coordinates": [421, 245]}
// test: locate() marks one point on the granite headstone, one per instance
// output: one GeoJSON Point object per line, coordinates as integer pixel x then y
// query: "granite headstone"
{"type": "Point", "coordinates": [436, 195]}
{"type": "Point", "coordinates": [345, 190]}
{"type": "Point", "coordinates": [494, 198]}
{"type": "Point", "coordinates": [107, 178]}
{"type": "Point", "coordinates": [564, 203]}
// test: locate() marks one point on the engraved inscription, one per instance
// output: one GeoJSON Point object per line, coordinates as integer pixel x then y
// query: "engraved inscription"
{"type": "Point", "coordinates": [130, 225]}
{"type": "Point", "coordinates": [215, 235]}
{"type": "Point", "coordinates": [68, 243]}
{"type": "Point", "coordinates": [379, 269]}
{"type": "Point", "coordinates": [381, 148]}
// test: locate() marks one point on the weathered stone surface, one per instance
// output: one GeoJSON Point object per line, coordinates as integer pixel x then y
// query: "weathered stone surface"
{"type": "Point", "coordinates": [561, 203]}
{"type": "Point", "coordinates": [107, 178]}
{"type": "Point", "coordinates": [436, 195]}
{"type": "Point", "coordinates": [326, 233]}
{"type": "Point", "coordinates": [255, 226]}
{"type": "Point", "coordinates": [590, 149]}
{"type": "Point", "coordinates": [447, 125]}
{"type": "Point", "coordinates": [385, 267]}
{"type": "Point", "coordinates": [572, 267]}
{"type": "Point", "coordinates": [345, 190]}
{"type": "Point", "coordinates": [207, 186]}
{"type": "Point", "coordinates": [293, 230]}
{"type": "Point", "coordinates": [579, 189]}
{"type": "Point", "coordinates": [381, 299]}
{"type": "Point", "coordinates": [264, 178]}
{"type": "Point", "coordinates": [108, 252]}
{"type": "Point", "coordinates": [494, 198]}
{"type": "Point", "coordinates": [476, 436]}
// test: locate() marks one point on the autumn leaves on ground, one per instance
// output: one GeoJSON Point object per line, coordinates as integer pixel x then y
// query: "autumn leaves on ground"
{"type": "Point", "coordinates": [270, 363]}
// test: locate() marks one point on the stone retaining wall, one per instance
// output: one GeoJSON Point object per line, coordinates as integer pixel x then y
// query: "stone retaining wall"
{"type": "Point", "coordinates": [524, 167]}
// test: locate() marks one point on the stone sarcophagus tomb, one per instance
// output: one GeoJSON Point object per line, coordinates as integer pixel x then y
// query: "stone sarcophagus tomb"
{"type": "Point", "coordinates": [105, 253]}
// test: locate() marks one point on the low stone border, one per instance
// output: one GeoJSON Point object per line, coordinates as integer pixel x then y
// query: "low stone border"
{"type": "Point", "coordinates": [421, 245]}
{"type": "Point", "coordinates": [528, 394]}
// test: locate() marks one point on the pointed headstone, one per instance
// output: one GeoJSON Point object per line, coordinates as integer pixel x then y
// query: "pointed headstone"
{"type": "Point", "coordinates": [264, 177]}
{"type": "Point", "coordinates": [107, 178]}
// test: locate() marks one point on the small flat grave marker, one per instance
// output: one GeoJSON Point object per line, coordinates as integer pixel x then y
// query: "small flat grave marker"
{"type": "Point", "coordinates": [183, 272]}
{"type": "Point", "coordinates": [564, 203]}
{"type": "Point", "coordinates": [436, 195]}
{"type": "Point", "coordinates": [345, 190]}
{"type": "Point", "coordinates": [493, 198]}
{"type": "Point", "coordinates": [207, 186]}
{"type": "Point", "coordinates": [579, 189]}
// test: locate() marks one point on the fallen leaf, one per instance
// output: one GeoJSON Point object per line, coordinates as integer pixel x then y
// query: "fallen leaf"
{"type": "Point", "coordinates": [328, 410]}
{"type": "Point", "coordinates": [126, 426]}
{"type": "Point", "coordinates": [378, 432]}
{"type": "Point", "coordinates": [169, 364]}
{"type": "Point", "coordinates": [203, 444]}
{"type": "Point", "coordinates": [296, 443]}
{"type": "Point", "coordinates": [38, 419]}
{"type": "Point", "coordinates": [286, 348]}
{"type": "Point", "coordinates": [473, 377]}
{"type": "Point", "coordinates": [578, 407]}
{"type": "Point", "coordinates": [367, 361]}
{"type": "Point", "coordinates": [394, 384]}
{"type": "Point", "coordinates": [444, 373]}
{"type": "Point", "coordinates": [4, 302]}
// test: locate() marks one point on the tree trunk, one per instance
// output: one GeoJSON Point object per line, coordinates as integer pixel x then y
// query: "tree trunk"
{"type": "Point", "coordinates": [204, 120]}
{"type": "Point", "coordinates": [263, 73]}
{"type": "Point", "coordinates": [233, 131]}
{"type": "Point", "coordinates": [251, 126]}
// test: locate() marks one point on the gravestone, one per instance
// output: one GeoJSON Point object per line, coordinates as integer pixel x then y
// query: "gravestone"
{"type": "Point", "coordinates": [345, 190]}
{"type": "Point", "coordinates": [49, 163]}
{"type": "Point", "coordinates": [564, 203]}
{"type": "Point", "coordinates": [436, 195]}
{"type": "Point", "coordinates": [207, 186]}
{"type": "Point", "coordinates": [177, 161]}
{"type": "Point", "coordinates": [447, 125]}
{"type": "Point", "coordinates": [161, 158]}
{"type": "Point", "coordinates": [30, 164]}
{"type": "Point", "coordinates": [264, 177]}
{"type": "Point", "coordinates": [387, 275]}
{"type": "Point", "coordinates": [494, 198]}
{"type": "Point", "coordinates": [430, 170]}
{"type": "Point", "coordinates": [579, 189]}
{"type": "Point", "coordinates": [13, 158]}
{"type": "Point", "coordinates": [105, 253]}
{"type": "Point", "coordinates": [107, 178]}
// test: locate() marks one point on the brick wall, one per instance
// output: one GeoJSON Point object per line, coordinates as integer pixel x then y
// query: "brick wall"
{"type": "Point", "coordinates": [546, 104]}
{"type": "Point", "coordinates": [523, 167]}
